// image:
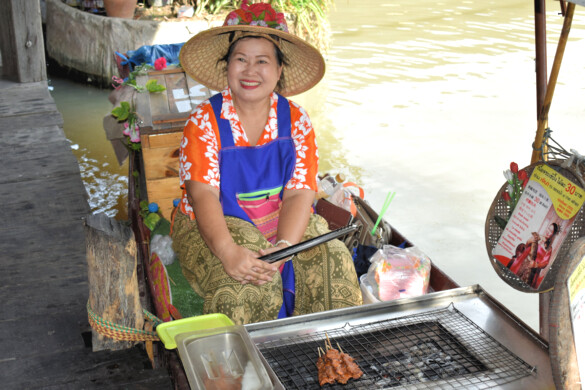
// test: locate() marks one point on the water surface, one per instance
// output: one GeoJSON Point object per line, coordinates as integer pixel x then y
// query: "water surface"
{"type": "Point", "coordinates": [430, 99]}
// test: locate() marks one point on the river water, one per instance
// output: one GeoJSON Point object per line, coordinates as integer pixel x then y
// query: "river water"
{"type": "Point", "coordinates": [431, 100]}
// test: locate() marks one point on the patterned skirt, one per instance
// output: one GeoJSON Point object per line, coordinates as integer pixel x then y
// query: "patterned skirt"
{"type": "Point", "coordinates": [325, 277]}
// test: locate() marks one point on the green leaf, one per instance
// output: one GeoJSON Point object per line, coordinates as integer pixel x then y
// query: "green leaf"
{"type": "Point", "coordinates": [500, 221]}
{"type": "Point", "coordinates": [122, 111]}
{"type": "Point", "coordinates": [153, 86]}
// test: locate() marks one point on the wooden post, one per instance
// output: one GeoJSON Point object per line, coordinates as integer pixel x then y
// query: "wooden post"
{"type": "Point", "coordinates": [550, 88]}
{"type": "Point", "coordinates": [113, 283]}
{"type": "Point", "coordinates": [21, 41]}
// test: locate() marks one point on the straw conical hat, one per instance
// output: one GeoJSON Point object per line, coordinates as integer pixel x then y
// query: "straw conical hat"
{"type": "Point", "coordinates": [201, 56]}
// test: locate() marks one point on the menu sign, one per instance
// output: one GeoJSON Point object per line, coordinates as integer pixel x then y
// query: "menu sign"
{"type": "Point", "coordinates": [537, 227]}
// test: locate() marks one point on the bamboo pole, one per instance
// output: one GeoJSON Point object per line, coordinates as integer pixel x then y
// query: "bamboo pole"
{"type": "Point", "coordinates": [543, 115]}
{"type": "Point", "coordinates": [540, 51]}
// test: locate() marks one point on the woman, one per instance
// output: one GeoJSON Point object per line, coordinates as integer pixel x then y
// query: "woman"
{"type": "Point", "coordinates": [543, 254]}
{"type": "Point", "coordinates": [535, 256]}
{"type": "Point", "coordinates": [248, 168]}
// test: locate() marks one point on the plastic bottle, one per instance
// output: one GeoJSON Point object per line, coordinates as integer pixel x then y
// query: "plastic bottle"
{"type": "Point", "coordinates": [153, 218]}
{"type": "Point", "coordinates": [328, 186]}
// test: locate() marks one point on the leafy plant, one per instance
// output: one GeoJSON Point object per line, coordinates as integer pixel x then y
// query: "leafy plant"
{"type": "Point", "coordinates": [517, 181]}
{"type": "Point", "coordinates": [310, 16]}
{"type": "Point", "coordinates": [126, 112]}
{"type": "Point", "coordinates": [122, 112]}
{"type": "Point", "coordinates": [151, 85]}
{"type": "Point", "coordinates": [311, 19]}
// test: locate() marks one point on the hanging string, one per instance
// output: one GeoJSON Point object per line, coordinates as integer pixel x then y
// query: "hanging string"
{"type": "Point", "coordinates": [554, 151]}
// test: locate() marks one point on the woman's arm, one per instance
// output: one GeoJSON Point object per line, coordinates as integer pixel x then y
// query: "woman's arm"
{"type": "Point", "coordinates": [240, 263]}
{"type": "Point", "coordinates": [294, 215]}
{"type": "Point", "coordinates": [292, 220]}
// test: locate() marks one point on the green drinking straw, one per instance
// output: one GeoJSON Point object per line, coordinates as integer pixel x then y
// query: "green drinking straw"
{"type": "Point", "coordinates": [387, 202]}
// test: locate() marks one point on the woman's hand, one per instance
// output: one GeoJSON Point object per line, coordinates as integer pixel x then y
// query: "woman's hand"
{"type": "Point", "coordinates": [278, 263]}
{"type": "Point", "coordinates": [244, 266]}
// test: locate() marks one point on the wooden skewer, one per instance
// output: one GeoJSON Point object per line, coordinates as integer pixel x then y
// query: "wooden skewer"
{"type": "Point", "coordinates": [339, 347]}
{"type": "Point", "coordinates": [327, 342]}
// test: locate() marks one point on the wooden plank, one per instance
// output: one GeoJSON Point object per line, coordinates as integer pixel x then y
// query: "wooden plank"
{"type": "Point", "coordinates": [63, 334]}
{"type": "Point", "coordinates": [66, 291]}
{"type": "Point", "coordinates": [197, 92]}
{"type": "Point", "coordinates": [43, 275]}
{"type": "Point", "coordinates": [172, 139]}
{"type": "Point", "coordinates": [177, 118]}
{"type": "Point", "coordinates": [126, 369]}
{"type": "Point", "coordinates": [22, 41]}
{"type": "Point", "coordinates": [142, 105]}
{"type": "Point", "coordinates": [112, 257]}
{"type": "Point", "coordinates": [57, 199]}
{"type": "Point", "coordinates": [163, 192]}
{"type": "Point", "coordinates": [163, 188]}
{"type": "Point", "coordinates": [144, 140]}
{"type": "Point", "coordinates": [28, 244]}
{"type": "Point", "coordinates": [18, 122]}
{"type": "Point", "coordinates": [166, 205]}
{"type": "Point", "coordinates": [37, 161]}
{"type": "Point", "coordinates": [31, 98]}
{"type": "Point", "coordinates": [178, 95]}
{"type": "Point", "coordinates": [35, 268]}
{"type": "Point", "coordinates": [159, 102]}
{"type": "Point", "coordinates": [161, 162]}
{"type": "Point", "coordinates": [166, 71]}
{"type": "Point", "coordinates": [29, 137]}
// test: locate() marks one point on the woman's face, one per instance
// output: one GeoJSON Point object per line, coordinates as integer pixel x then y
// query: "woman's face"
{"type": "Point", "coordinates": [253, 70]}
{"type": "Point", "coordinates": [550, 231]}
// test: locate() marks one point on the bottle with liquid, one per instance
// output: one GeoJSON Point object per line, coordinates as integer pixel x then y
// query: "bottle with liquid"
{"type": "Point", "coordinates": [327, 187]}
{"type": "Point", "coordinates": [153, 217]}
{"type": "Point", "coordinates": [336, 195]}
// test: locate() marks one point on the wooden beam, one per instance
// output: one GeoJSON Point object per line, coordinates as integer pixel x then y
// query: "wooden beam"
{"type": "Point", "coordinates": [537, 154]}
{"type": "Point", "coordinates": [21, 41]}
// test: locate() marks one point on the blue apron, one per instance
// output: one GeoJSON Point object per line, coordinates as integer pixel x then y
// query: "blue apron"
{"type": "Point", "coordinates": [253, 180]}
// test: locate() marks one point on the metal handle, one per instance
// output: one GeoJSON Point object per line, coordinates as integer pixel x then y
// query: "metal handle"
{"type": "Point", "coordinates": [310, 243]}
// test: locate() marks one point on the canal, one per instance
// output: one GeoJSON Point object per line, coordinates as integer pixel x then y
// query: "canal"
{"type": "Point", "coordinates": [431, 100]}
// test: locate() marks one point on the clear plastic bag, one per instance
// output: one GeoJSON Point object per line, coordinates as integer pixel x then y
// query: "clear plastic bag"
{"type": "Point", "coordinates": [397, 273]}
{"type": "Point", "coordinates": [163, 247]}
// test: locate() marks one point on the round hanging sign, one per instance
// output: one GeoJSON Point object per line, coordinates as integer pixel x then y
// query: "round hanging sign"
{"type": "Point", "coordinates": [532, 223]}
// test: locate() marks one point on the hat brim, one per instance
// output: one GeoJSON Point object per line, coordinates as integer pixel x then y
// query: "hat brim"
{"type": "Point", "coordinates": [200, 58]}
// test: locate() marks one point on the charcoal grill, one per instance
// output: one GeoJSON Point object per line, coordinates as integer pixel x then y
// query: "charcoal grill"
{"type": "Point", "coordinates": [455, 339]}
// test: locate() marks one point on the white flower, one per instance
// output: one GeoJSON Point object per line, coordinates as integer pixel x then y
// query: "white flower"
{"type": "Point", "coordinates": [509, 176]}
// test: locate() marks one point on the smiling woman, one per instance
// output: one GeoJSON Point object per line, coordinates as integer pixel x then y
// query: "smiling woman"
{"type": "Point", "coordinates": [255, 150]}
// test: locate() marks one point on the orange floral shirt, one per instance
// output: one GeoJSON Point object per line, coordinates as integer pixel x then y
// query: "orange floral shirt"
{"type": "Point", "coordinates": [199, 155]}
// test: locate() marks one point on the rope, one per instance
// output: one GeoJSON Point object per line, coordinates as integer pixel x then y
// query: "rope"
{"type": "Point", "coordinates": [120, 332]}
{"type": "Point", "coordinates": [556, 152]}
{"type": "Point", "coordinates": [544, 144]}
{"type": "Point", "coordinates": [576, 158]}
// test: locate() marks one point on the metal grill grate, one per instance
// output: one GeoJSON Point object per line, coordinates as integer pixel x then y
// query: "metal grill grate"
{"type": "Point", "coordinates": [437, 349]}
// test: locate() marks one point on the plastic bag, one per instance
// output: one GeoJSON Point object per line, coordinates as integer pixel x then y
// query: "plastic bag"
{"type": "Point", "coordinates": [163, 247]}
{"type": "Point", "coordinates": [397, 273]}
{"type": "Point", "coordinates": [148, 54]}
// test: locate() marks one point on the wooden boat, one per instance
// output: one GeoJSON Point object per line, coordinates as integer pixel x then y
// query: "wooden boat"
{"type": "Point", "coordinates": [158, 179]}
{"type": "Point", "coordinates": [154, 174]}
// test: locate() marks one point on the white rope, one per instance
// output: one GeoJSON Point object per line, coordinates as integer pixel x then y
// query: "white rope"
{"type": "Point", "coordinates": [576, 158]}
